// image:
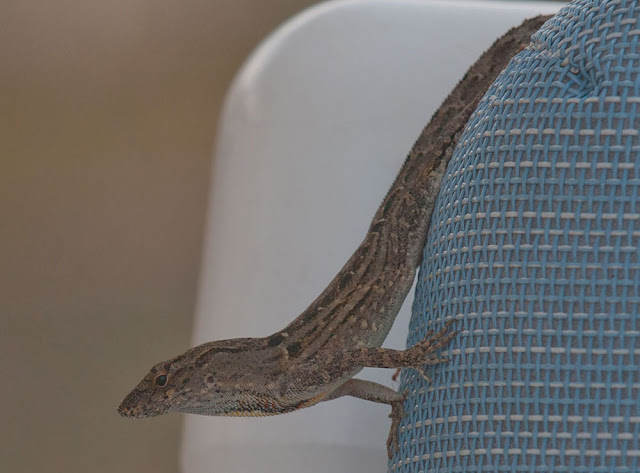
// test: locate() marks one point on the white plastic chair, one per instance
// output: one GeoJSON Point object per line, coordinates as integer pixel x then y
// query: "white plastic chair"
{"type": "Point", "coordinates": [315, 127]}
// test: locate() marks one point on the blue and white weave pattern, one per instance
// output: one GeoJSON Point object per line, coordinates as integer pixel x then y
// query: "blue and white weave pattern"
{"type": "Point", "coordinates": [534, 249]}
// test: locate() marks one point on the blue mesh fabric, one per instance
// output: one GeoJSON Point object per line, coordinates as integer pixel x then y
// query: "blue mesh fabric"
{"type": "Point", "coordinates": [534, 250]}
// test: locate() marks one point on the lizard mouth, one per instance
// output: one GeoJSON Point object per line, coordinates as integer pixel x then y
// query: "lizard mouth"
{"type": "Point", "coordinates": [134, 407]}
{"type": "Point", "coordinates": [127, 409]}
{"type": "Point", "coordinates": [130, 413]}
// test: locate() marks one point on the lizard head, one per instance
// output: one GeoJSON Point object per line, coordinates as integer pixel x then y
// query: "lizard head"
{"type": "Point", "coordinates": [217, 378]}
{"type": "Point", "coordinates": [159, 392]}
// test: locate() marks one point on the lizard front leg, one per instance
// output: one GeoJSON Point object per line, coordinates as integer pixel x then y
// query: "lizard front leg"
{"type": "Point", "coordinates": [424, 353]}
{"type": "Point", "coordinates": [375, 392]}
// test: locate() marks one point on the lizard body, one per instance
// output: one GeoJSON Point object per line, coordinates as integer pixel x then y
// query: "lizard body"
{"type": "Point", "coordinates": [315, 357]}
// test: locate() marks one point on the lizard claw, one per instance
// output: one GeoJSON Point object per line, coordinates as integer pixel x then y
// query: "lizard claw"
{"type": "Point", "coordinates": [396, 374]}
{"type": "Point", "coordinates": [426, 377]}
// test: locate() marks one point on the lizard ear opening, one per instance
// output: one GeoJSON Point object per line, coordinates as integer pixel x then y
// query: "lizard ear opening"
{"type": "Point", "coordinates": [161, 380]}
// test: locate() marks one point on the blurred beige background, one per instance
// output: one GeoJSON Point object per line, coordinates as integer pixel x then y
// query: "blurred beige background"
{"type": "Point", "coordinates": [108, 112]}
{"type": "Point", "coordinates": [107, 118]}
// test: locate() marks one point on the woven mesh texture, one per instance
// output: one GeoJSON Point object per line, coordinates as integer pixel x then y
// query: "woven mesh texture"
{"type": "Point", "coordinates": [534, 250]}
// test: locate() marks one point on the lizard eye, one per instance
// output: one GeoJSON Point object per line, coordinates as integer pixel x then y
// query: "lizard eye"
{"type": "Point", "coordinates": [160, 380]}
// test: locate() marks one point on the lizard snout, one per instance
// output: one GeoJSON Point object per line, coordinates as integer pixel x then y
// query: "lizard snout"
{"type": "Point", "coordinates": [133, 406]}
{"type": "Point", "coordinates": [127, 408]}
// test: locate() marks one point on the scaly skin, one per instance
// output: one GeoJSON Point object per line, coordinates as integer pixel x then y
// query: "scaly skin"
{"type": "Point", "coordinates": [315, 357]}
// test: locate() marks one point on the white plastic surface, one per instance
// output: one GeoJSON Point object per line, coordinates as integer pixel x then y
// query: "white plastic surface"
{"type": "Point", "coordinates": [315, 127]}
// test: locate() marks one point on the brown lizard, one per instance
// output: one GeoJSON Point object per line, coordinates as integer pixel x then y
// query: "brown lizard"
{"type": "Point", "coordinates": [315, 357]}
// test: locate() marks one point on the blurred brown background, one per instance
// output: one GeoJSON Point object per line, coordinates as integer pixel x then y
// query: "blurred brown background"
{"type": "Point", "coordinates": [107, 118]}
{"type": "Point", "coordinates": [108, 112]}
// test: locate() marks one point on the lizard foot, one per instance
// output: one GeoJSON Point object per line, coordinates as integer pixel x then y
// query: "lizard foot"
{"type": "Point", "coordinates": [424, 353]}
{"type": "Point", "coordinates": [397, 413]}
